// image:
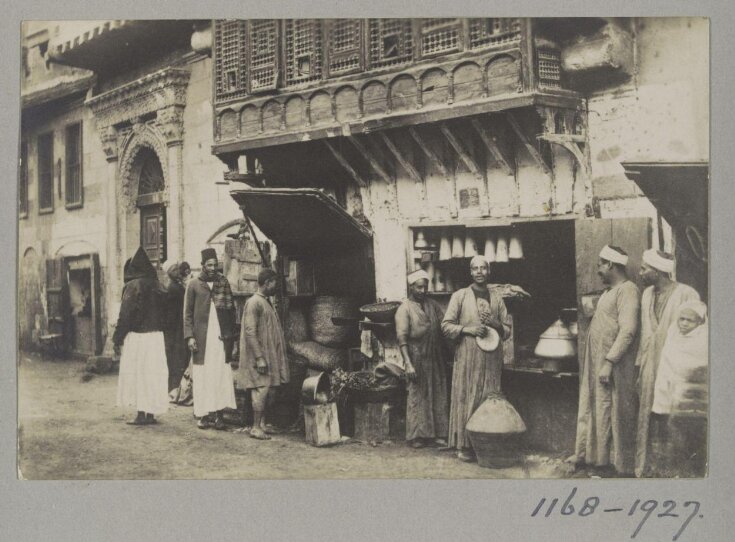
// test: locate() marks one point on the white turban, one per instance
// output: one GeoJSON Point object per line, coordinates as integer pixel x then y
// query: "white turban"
{"type": "Point", "coordinates": [655, 260]}
{"type": "Point", "coordinates": [477, 260]}
{"type": "Point", "coordinates": [611, 255]}
{"type": "Point", "coordinates": [417, 275]}
{"type": "Point", "coordinates": [167, 265]}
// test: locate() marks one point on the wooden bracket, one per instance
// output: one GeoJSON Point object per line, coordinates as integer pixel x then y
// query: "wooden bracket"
{"type": "Point", "coordinates": [430, 154]}
{"type": "Point", "coordinates": [368, 155]}
{"type": "Point", "coordinates": [505, 162]}
{"type": "Point", "coordinates": [470, 162]}
{"type": "Point", "coordinates": [413, 173]}
{"type": "Point", "coordinates": [464, 155]}
{"type": "Point", "coordinates": [570, 142]}
{"type": "Point", "coordinates": [438, 164]}
{"type": "Point", "coordinates": [535, 154]}
{"type": "Point", "coordinates": [346, 165]}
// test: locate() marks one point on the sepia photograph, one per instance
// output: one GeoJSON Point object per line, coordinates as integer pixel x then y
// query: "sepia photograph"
{"type": "Point", "coordinates": [377, 248]}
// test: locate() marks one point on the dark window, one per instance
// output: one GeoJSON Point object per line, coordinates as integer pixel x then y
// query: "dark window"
{"type": "Point", "coordinates": [23, 181]}
{"type": "Point", "coordinates": [46, 172]}
{"type": "Point", "coordinates": [74, 185]}
{"type": "Point", "coordinates": [303, 50]}
{"type": "Point", "coordinates": [391, 42]}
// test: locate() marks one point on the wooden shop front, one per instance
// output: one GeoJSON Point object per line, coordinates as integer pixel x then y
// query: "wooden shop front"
{"type": "Point", "coordinates": [462, 128]}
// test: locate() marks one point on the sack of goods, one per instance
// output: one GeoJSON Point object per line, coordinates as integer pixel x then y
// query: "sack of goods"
{"type": "Point", "coordinates": [319, 357]}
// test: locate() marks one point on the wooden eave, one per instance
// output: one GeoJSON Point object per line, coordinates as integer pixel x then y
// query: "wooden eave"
{"type": "Point", "coordinates": [561, 99]}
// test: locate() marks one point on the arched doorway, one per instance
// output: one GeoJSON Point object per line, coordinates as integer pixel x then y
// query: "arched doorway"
{"type": "Point", "coordinates": [150, 203]}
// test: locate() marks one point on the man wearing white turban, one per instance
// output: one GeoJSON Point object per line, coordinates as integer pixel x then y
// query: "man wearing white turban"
{"type": "Point", "coordinates": [418, 328]}
{"type": "Point", "coordinates": [477, 372]}
{"type": "Point", "coordinates": [606, 418]}
{"type": "Point", "coordinates": [659, 308]}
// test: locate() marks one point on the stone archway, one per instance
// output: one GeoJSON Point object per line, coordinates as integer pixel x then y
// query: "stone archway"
{"type": "Point", "coordinates": [145, 194]}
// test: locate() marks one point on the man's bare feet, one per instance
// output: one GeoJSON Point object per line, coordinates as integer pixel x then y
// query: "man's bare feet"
{"type": "Point", "coordinates": [258, 433]}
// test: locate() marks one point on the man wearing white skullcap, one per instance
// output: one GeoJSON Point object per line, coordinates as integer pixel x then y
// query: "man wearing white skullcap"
{"type": "Point", "coordinates": [606, 417]}
{"type": "Point", "coordinates": [418, 328]}
{"type": "Point", "coordinates": [659, 308]}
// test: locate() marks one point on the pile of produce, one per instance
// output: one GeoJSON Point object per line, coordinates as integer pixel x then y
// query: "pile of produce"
{"type": "Point", "coordinates": [343, 382]}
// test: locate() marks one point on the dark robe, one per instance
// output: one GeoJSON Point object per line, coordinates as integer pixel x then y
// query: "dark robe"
{"type": "Point", "coordinates": [177, 353]}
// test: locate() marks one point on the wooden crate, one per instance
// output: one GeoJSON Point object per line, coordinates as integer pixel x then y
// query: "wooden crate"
{"type": "Point", "coordinates": [321, 424]}
{"type": "Point", "coordinates": [372, 421]}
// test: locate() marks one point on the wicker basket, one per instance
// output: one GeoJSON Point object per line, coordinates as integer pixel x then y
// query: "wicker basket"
{"type": "Point", "coordinates": [380, 312]}
{"type": "Point", "coordinates": [323, 331]}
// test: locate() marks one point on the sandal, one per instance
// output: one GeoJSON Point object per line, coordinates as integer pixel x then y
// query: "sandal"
{"type": "Point", "coordinates": [204, 423]}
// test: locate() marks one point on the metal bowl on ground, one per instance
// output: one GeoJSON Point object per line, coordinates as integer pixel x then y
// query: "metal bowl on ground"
{"type": "Point", "coordinates": [557, 342]}
{"type": "Point", "coordinates": [381, 313]}
{"type": "Point", "coordinates": [315, 389]}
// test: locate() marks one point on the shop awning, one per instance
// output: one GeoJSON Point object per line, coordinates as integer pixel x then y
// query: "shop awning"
{"type": "Point", "coordinates": [679, 190]}
{"type": "Point", "coordinates": [680, 193]}
{"type": "Point", "coordinates": [301, 219]}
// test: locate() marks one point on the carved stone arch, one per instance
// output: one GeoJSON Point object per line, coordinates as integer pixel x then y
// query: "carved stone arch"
{"type": "Point", "coordinates": [141, 137]}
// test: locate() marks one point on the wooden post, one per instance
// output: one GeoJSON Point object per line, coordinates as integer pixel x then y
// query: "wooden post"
{"type": "Point", "coordinates": [321, 424]}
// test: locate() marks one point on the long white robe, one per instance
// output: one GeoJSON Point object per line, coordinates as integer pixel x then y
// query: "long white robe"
{"type": "Point", "coordinates": [213, 383]}
{"type": "Point", "coordinates": [653, 336]}
{"type": "Point", "coordinates": [606, 418]}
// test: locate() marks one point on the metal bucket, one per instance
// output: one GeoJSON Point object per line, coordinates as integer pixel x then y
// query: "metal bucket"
{"type": "Point", "coordinates": [315, 389]}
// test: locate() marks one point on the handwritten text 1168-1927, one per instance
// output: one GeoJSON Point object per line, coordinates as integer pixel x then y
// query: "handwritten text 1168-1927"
{"type": "Point", "coordinates": [646, 510]}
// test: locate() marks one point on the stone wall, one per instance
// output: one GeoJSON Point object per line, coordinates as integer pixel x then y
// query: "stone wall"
{"type": "Point", "coordinates": [661, 113]}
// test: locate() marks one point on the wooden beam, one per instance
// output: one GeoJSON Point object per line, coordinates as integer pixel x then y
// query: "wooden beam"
{"type": "Point", "coordinates": [430, 154]}
{"type": "Point", "coordinates": [471, 164]}
{"type": "Point", "coordinates": [438, 164]}
{"type": "Point", "coordinates": [505, 162]}
{"type": "Point", "coordinates": [529, 146]}
{"type": "Point", "coordinates": [408, 166]}
{"type": "Point", "coordinates": [464, 155]}
{"type": "Point", "coordinates": [395, 151]}
{"type": "Point", "coordinates": [346, 165]}
{"type": "Point", "coordinates": [379, 169]}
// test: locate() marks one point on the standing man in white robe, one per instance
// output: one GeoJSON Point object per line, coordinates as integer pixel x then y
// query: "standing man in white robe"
{"type": "Point", "coordinates": [606, 418]}
{"type": "Point", "coordinates": [209, 319]}
{"type": "Point", "coordinates": [659, 308]}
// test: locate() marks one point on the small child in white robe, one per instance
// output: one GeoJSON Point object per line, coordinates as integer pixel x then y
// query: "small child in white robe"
{"type": "Point", "coordinates": [684, 358]}
{"type": "Point", "coordinates": [679, 412]}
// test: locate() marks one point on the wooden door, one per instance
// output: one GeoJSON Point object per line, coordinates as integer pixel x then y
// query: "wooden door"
{"type": "Point", "coordinates": [57, 298]}
{"type": "Point", "coordinates": [631, 234]}
{"type": "Point", "coordinates": [153, 233]}
{"type": "Point", "coordinates": [95, 295]}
